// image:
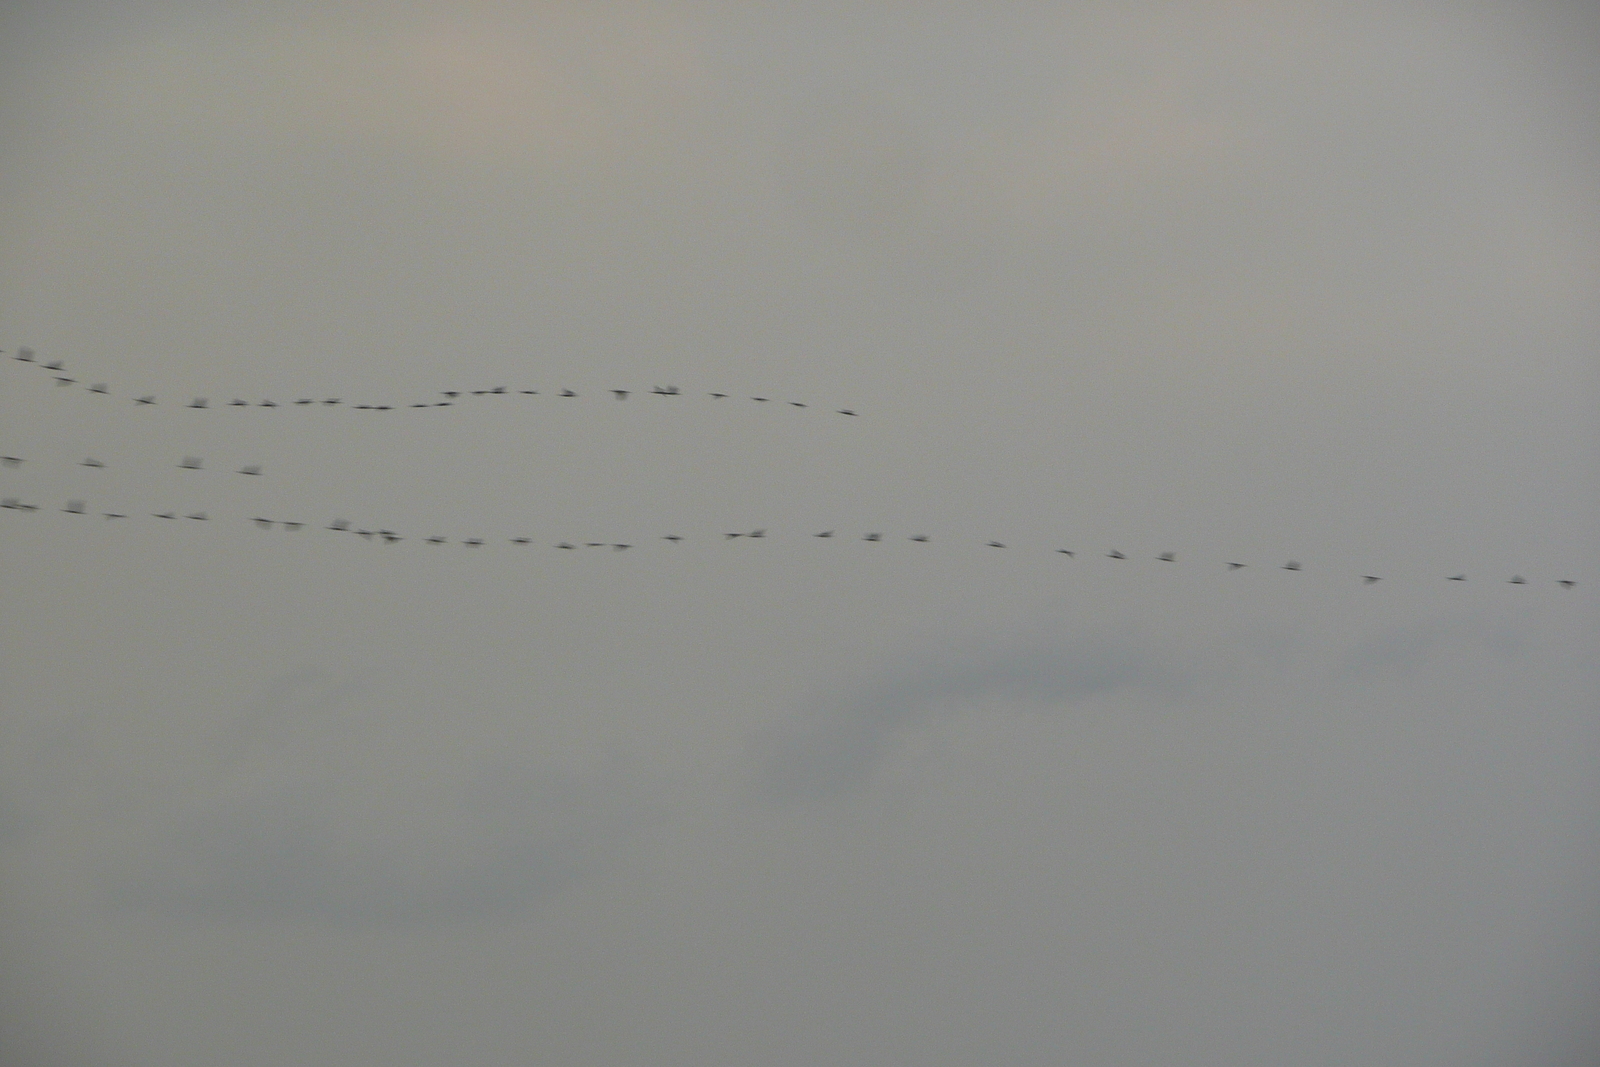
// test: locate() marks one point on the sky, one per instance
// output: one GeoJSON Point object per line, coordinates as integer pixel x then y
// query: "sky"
{"type": "Point", "coordinates": [1044, 284]}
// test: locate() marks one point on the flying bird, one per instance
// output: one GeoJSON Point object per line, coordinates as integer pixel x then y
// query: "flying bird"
{"type": "Point", "coordinates": [436, 540]}
{"type": "Point", "coordinates": [669, 390]}
{"type": "Point", "coordinates": [564, 544]}
{"type": "Point", "coordinates": [757, 533]}
{"type": "Point", "coordinates": [1370, 579]}
{"type": "Point", "coordinates": [55, 365]}
{"type": "Point", "coordinates": [66, 381]}
{"type": "Point", "coordinates": [1291, 566]}
{"type": "Point", "coordinates": [1067, 552]}
{"type": "Point", "coordinates": [621, 394]}
{"type": "Point", "coordinates": [252, 470]}
{"type": "Point", "coordinates": [873, 537]}
{"type": "Point", "coordinates": [303, 401]}
{"type": "Point", "coordinates": [74, 507]}
{"type": "Point", "coordinates": [11, 502]}
{"type": "Point", "coordinates": [522, 540]}
{"type": "Point", "coordinates": [115, 515]}
{"type": "Point", "coordinates": [264, 524]}
{"type": "Point", "coordinates": [292, 526]}
{"type": "Point", "coordinates": [473, 542]}
{"type": "Point", "coordinates": [1517, 579]}
{"type": "Point", "coordinates": [267, 404]}
{"type": "Point", "coordinates": [921, 538]}
{"type": "Point", "coordinates": [164, 514]}
{"type": "Point", "coordinates": [1235, 566]}
{"type": "Point", "coordinates": [996, 544]}
{"type": "Point", "coordinates": [451, 394]}
{"type": "Point", "coordinates": [1456, 578]}
{"type": "Point", "coordinates": [198, 402]}
{"type": "Point", "coordinates": [568, 392]}
{"type": "Point", "coordinates": [24, 354]}
{"type": "Point", "coordinates": [190, 463]}
{"type": "Point", "coordinates": [1167, 557]}
{"type": "Point", "coordinates": [620, 548]}
{"type": "Point", "coordinates": [674, 538]}
{"type": "Point", "coordinates": [718, 396]}
{"type": "Point", "coordinates": [1565, 583]}
{"type": "Point", "coordinates": [11, 461]}
{"type": "Point", "coordinates": [339, 525]}
{"type": "Point", "coordinates": [145, 400]}
{"type": "Point", "coordinates": [237, 403]}
{"type": "Point", "coordinates": [1114, 554]}
{"type": "Point", "coordinates": [761, 399]}
{"type": "Point", "coordinates": [796, 404]}
{"type": "Point", "coordinates": [99, 387]}
{"type": "Point", "coordinates": [390, 537]}
{"type": "Point", "coordinates": [332, 400]}
{"type": "Point", "coordinates": [530, 392]}
{"type": "Point", "coordinates": [845, 411]}
{"type": "Point", "coordinates": [198, 515]}
{"type": "Point", "coordinates": [824, 533]}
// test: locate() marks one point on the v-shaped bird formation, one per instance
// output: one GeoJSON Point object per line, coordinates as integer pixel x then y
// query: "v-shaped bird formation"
{"type": "Point", "coordinates": [383, 534]}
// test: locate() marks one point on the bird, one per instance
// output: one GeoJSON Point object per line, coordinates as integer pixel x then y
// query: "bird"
{"type": "Point", "coordinates": [74, 507]}
{"type": "Point", "coordinates": [419, 405]}
{"type": "Point", "coordinates": [451, 394]}
{"type": "Point", "coordinates": [267, 404]}
{"type": "Point", "coordinates": [845, 411]}
{"type": "Point", "coordinates": [65, 381]}
{"type": "Point", "coordinates": [718, 396]}
{"type": "Point", "coordinates": [190, 463]}
{"type": "Point", "coordinates": [568, 392]}
{"type": "Point", "coordinates": [498, 390]}
{"type": "Point", "coordinates": [252, 470]}
{"type": "Point", "coordinates": [237, 403]}
{"type": "Point", "coordinates": [339, 525]}
{"type": "Point", "coordinates": [996, 544]}
{"type": "Point", "coordinates": [363, 407]}
{"type": "Point", "coordinates": [522, 540]}
{"type": "Point", "coordinates": [1517, 579]}
{"type": "Point", "coordinates": [11, 461]}
{"type": "Point", "coordinates": [565, 544]}
{"type": "Point", "coordinates": [824, 533]}
{"type": "Point", "coordinates": [11, 502]}
{"type": "Point", "coordinates": [198, 402]}
{"type": "Point", "coordinates": [620, 394]}
{"type": "Point", "coordinates": [199, 516]}
{"type": "Point", "coordinates": [115, 515]}
{"type": "Point", "coordinates": [390, 537]}
{"type": "Point", "coordinates": [479, 392]}
{"type": "Point", "coordinates": [54, 365]}
{"type": "Point", "coordinates": [1565, 583]}
{"type": "Point", "coordinates": [872, 537]}
{"type": "Point", "coordinates": [303, 401]}
{"type": "Point", "coordinates": [796, 404]}
{"type": "Point", "coordinates": [1235, 566]}
{"type": "Point", "coordinates": [292, 526]}
{"type": "Point", "coordinates": [24, 354]}
{"type": "Point", "coordinates": [435, 540]}
{"type": "Point", "coordinates": [144, 400]}
{"type": "Point", "coordinates": [921, 538]}
{"type": "Point", "coordinates": [757, 533]}
{"type": "Point", "coordinates": [1114, 554]}
{"type": "Point", "coordinates": [620, 548]}
{"type": "Point", "coordinates": [1457, 578]}
{"type": "Point", "coordinates": [99, 387]}
{"type": "Point", "coordinates": [264, 524]}
{"type": "Point", "coordinates": [530, 392]}
{"type": "Point", "coordinates": [164, 514]}
{"type": "Point", "coordinates": [731, 536]}
{"type": "Point", "coordinates": [442, 404]}
{"type": "Point", "coordinates": [674, 538]}
{"type": "Point", "coordinates": [761, 399]}
{"type": "Point", "coordinates": [1370, 579]}
{"type": "Point", "coordinates": [665, 390]}
{"type": "Point", "coordinates": [1067, 552]}
{"type": "Point", "coordinates": [332, 400]}
{"type": "Point", "coordinates": [594, 544]}
{"type": "Point", "coordinates": [1291, 566]}
{"type": "Point", "coordinates": [1167, 557]}
{"type": "Point", "coordinates": [383, 407]}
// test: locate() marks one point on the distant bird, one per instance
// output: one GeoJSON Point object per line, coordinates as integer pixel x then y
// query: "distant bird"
{"type": "Point", "coordinates": [621, 394]}
{"type": "Point", "coordinates": [872, 537]}
{"type": "Point", "coordinates": [198, 515]}
{"type": "Point", "coordinates": [1517, 579]}
{"type": "Point", "coordinates": [824, 533]}
{"type": "Point", "coordinates": [761, 399]}
{"type": "Point", "coordinates": [1235, 566]}
{"type": "Point", "coordinates": [145, 400]}
{"type": "Point", "coordinates": [339, 525]}
{"type": "Point", "coordinates": [267, 404]}
{"type": "Point", "coordinates": [55, 365]}
{"type": "Point", "coordinates": [530, 392]}
{"type": "Point", "coordinates": [24, 354]}
{"type": "Point", "coordinates": [442, 404]}
{"type": "Point", "coordinates": [522, 540]}
{"type": "Point", "coordinates": [164, 514]}
{"type": "Point", "coordinates": [1114, 554]}
{"type": "Point", "coordinates": [252, 470]}
{"type": "Point", "coordinates": [91, 463]}
{"type": "Point", "coordinates": [115, 515]}
{"type": "Point", "coordinates": [1291, 566]}
{"type": "Point", "coordinates": [264, 524]}
{"type": "Point", "coordinates": [1167, 557]}
{"type": "Point", "coordinates": [498, 390]}
{"type": "Point", "coordinates": [568, 392]}
{"type": "Point", "coordinates": [1370, 579]}
{"type": "Point", "coordinates": [99, 387]}
{"type": "Point", "coordinates": [292, 526]}
{"type": "Point", "coordinates": [718, 396]}
{"type": "Point", "coordinates": [796, 404]}
{"type": "Point", "coordinates": [237, 403]}
{"type": "Point", "coordinates": [594, 544]}
{"type": "Point", "coordinates": [368, 534]}
{"type": "Point", "coordinates": [11, 502]}
{"type": "Point", "coordinates": [390, 537]}
{"type": "Point", "coordinates": [479, 392]}
{"type": "Point", "coordinates": [620, 548]}
{"type": "Point", "coordinates": [451, 394]}
{"type": "Point", "coordinates": [198, 402]}
{"type": "Point", "coordinates": [363, 407]}
{"type": "Point", "coordinates": [1067, 552]}
{"type": "Point", "coordinates": [564, 544]}
{"type": "Point", "coordinates": [420, 405]}
{"type": "Point", "coordinates": [383, 407]}
{"type": "Point", "coordinates": [11, 461]}
{"type": "Point", "coordinates": [667, 390]}
{"type": "Point", "coordinates": [731, 536]}
{"type": "Point", "coordinates": [1457, 578]}
{"type": "Point", "coordinates": [996, 544]}
{"type": "Point", "coordinates": [74, 507]}
{"type": "Point", "coordinates": [845, 411]}
{"type": "Point", "coordinates": [674, 538]}
{"type": "Point", "coordinates": [332, 400]}
{"type": "Point", "coordinates": [1565, 583]}
{"type": "Point", "coordinates": [921, 538]}
{"type": "Point", "coordinates": [190, 463]}
{"type": "Point", "coordinates": [303, 401]}
{"type": "Point", "coordinates": [66, 381]}
{"type": "Point", "coordinates": [757, 533]}
{"type": "Point", "coordinates": [435, 541]}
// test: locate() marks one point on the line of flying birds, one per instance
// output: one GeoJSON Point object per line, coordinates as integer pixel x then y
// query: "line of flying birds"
{"type": "Point", "coordinates": [385, 535]}
{"type": "Point", "coordinates": [451, 396]}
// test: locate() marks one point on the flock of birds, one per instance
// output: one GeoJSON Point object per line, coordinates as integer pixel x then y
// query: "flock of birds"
{"type": "Point", "coordinates": [57, 368]}
{"type": "Point", "coordinates": [388, 536]}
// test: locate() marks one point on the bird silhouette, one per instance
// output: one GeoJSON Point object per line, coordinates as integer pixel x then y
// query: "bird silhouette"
{"type": "Point", "coordinates": [390, 537]}
{"type": "Point", "coordinates": [251, 470]}
{"type": "Point", "coordinates": [473, 542]}
{"type": "Point", "coordinates": [436, 540]}
{"type": "Point", "coordinates": [164, 514]}
{"type": "Point", "coordinates": [1235, 566]}
{"type": "Point", "coordinates": [796, 404]}
{"type": "Point", "coordinates": [267, 404]}
{"type": "Point", "coordinates": [265, 524]}
{"type": "Point", "coordinates": [1370, 579]}
{"type": "Point", "coordinates": [11, 461]}
{"type": "Point", "coordinates": [55, 365]}
{"type": "Point", "coordinates": [761, 399]}
{"type": "Point", "coordinates": [198, 402]}
{"type": "Point", "coordinates": [115, 515]}
{"type": "Point", "coordinates": [1167, 557]}
{"type": "Point", "coordinates": [1067, 552]}
{"type": "Point", "coordinates": [451, 394]}
{"type": "Point", "coordinates": [1291, 566]}
{"type": "Point", "coordinates": [331, 401]}
{"type": "Point", "coordinates": [100, 387]}
{"type": "Point", "coordinates": [845, 411]}
{"type": "Point", "coordinates": [718, 396]}
{"type": "Point", "coordinates": [568, 392]}
{"type": "Point", "coordinates": [292, 526]}
{"type": "Point", "coordinates": [339, 525]}
{"type": "Point", "coordinates": [24, 354]}
{"type": "Point", "coordinates": [1565, 583]}
{"type": "Point", "coordinates": [1457, 578]}
{"type": "Point", "coordinates": [996, 544]}
{"type": "Point", "coordinates": [237, 403]}
{"type": "Point", "coordinates": [757, 533]}
{"type": "Point", "coordinates": [522, 540]}
{"type": "Point", "coordinates": [11, 502]}
{"type": "Point", "coordinates": [74, 507]}
{"type": "Point", "coordinates": [620, 548]}
{"type": "Point", "coordinates": [731, 536]}
{"type": "Point", "coordinates": [530, 392]}
{"type": "Point", "coordinates": [620, 394]}
{"type": "Point", "coordinates": [199, 516]}
{"type": "Point", "coordinates": [564, 544]}
{"type": "Point", "coordinates": [674, 538]}
{"type": "Point", "coordinates": [824, 533]}
{"type": "Point", "coordinates": [190, 463]}
{"type": "Point", "coordinates": [1114, 554]}
{"type": "Point", "coordinates": [145, 400]}
{"type": "Point", "coordinates": [1517, 579]}
{"type": "Point", "coordinates": [873, 537]}
{"type": "Point", "coordinates": [921, 538]}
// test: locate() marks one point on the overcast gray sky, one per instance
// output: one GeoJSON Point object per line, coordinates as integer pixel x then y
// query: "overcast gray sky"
{"type": "Point", "coordinates": [1244, 282]}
